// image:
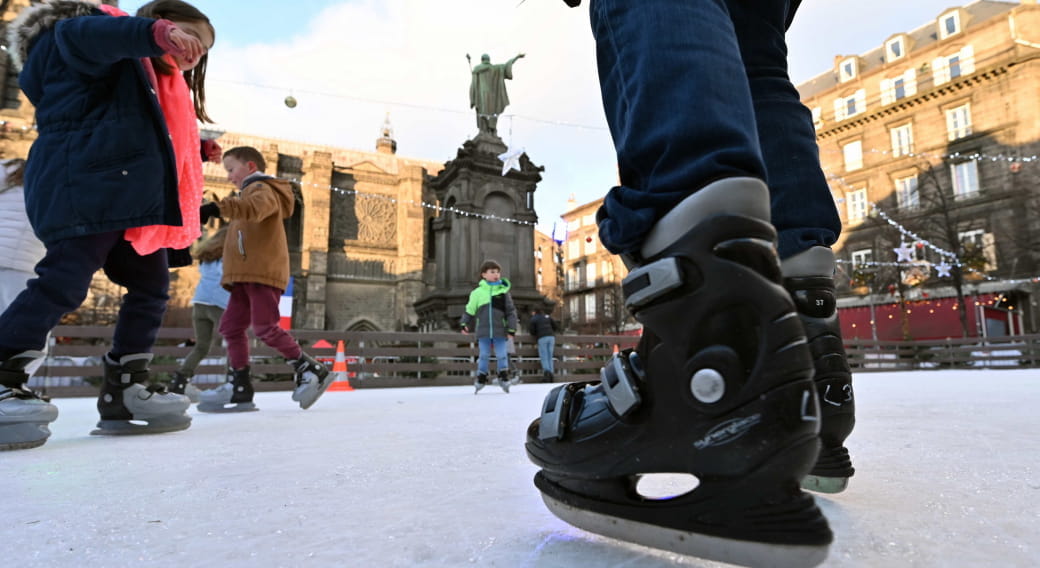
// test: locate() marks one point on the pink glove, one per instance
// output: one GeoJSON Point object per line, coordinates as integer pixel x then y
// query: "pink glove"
{"type": "Point", "coordinates": [212, 151]}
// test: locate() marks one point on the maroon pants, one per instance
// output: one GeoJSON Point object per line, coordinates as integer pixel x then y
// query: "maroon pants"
{"type": "Point", "coordinates": [255, 304]}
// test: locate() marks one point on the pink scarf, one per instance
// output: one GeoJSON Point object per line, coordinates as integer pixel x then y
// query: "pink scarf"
{"type": "Point", "coordinates": [179, 112]}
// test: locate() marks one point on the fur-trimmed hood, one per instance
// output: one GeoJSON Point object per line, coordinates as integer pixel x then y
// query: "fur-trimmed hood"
{"type": "Point", "coordinates": [34, 20]}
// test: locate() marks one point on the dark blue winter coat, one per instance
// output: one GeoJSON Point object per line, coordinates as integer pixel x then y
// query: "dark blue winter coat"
{"type": "Point", "coordinates": [103, 160]}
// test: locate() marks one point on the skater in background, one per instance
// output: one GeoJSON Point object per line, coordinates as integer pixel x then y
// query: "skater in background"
{"type": "Point", "coordinates": [544, 329]}
{"type": "Point", "coordinates": [721, 205]}
{"type": "Point", "coordinates": [491, 316]}
{"type": "Point", "coordinates": [112, 180]}
{"type": "Point", "coordinates": [256, 271]}
{"type": "Point", "coordinates": [24, 415]}
{"type": "Point", "coordinates": [207, 307]}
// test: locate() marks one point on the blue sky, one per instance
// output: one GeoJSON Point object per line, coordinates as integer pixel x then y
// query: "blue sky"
{"type": "Point", "coordinates": [349, 63]}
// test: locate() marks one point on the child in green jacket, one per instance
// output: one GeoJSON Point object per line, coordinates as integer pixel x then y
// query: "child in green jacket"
{"type": "Point", "coordinates": [491, 316]}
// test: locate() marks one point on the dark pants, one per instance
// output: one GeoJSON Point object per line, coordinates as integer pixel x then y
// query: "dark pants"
{"type": "Point", "coordinates": [256, 304]}
{"type": "Point", "coordinates": [63, 279]}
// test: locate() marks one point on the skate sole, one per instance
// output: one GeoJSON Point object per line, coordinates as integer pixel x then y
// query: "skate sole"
{"type": "Point", "coordinates": [733, 551]}
{"type": "Point", "coordinates": [221, 409]}
{"type": "Point", "coordinates": [321, 390]}
{"type": "Point", "coordinates": [9, 446]}
{"type": "Point", "coordinates": [128, 428]}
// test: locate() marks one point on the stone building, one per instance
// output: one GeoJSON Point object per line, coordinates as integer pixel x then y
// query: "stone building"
{"type": "Point", "coordinates": [931, 140]}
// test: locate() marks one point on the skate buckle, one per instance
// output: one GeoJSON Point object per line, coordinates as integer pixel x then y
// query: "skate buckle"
{"type": "Point", "coordinates": [647, 283]}
{"type": "Point", "coordinates": [617, 382]}
{"type": "Point", "coordinates": [554, 411]}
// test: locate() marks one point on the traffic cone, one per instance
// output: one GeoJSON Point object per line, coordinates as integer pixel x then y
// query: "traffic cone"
{"type": "Point", "coordinates": [342, 382]}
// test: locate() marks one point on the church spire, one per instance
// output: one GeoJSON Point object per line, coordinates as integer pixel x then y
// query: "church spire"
{"type": "Point", "coordinates": [386, 144]}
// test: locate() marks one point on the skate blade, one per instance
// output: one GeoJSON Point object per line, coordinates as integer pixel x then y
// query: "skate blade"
{"type": "Point", "coordinates": [825, 484]}
{"type": "Point", "coordinates": [221, 409]}
{"type": "Point", "coordinates": [305, 404]}
{"type": "Point", "coordinates": [741, 552]}
{"type": "Point", "coordinates": [128, 428]}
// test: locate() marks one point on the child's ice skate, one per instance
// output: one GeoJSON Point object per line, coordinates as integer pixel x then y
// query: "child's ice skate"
{"type": "Point", "coordinates": [809, 278]}
{"type": "Point", "coordinates": [128, 407]}
{"type": "Point", "coordinates": [235, 395]}
{"type": "Point", "coordinates": [479, 382]}
{"type": "Point", "coordinates": [312, 380]}
{"type": "Point", "coordinates": [502, 380]}
{"type": "Point", "coordinates": [180, 383]}
{"type": "Point", "coordinates": [24, 415]}
{"type": "Point", "coordinates": [720, 387]}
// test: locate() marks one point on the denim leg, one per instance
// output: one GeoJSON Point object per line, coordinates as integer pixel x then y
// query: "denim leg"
{"type": "Point", "coordinates": [483, 354]}
{"type": "Point", "coordinates": [147, 282]}
{"type": "Point", "coordinates": [501, 354]}
{"type": "Point", "coordinates": [803, 209]}
{"type": "Point", "coordinates": [678, 105]}
{"type": "Point", "coordinates": [63, 278]}
{"type": "Point", "coordinates": [546, 345]}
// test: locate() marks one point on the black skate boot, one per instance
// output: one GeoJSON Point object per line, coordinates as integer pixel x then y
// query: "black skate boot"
{"type": "Point", "coordinates": [503, 380]}
{"type": "Point", "coordinates": [720, 387]}
{"type": "Point", "coordinates": [808, 277]}
{"type": "Point", "coordinates": [312, 380]}
{"type": "Point", "coordinates": [24, 414]}
{"type": "Point", "coordinates": [235, 395]}
{"type": "Point", "coordinates": [547, 377]}
{"type": "Point", "coordinates": [125, 401]}
{"type": "Point", "coordinates": [180, 383]}
{"type": "Point", "coordinates": [479, 382]}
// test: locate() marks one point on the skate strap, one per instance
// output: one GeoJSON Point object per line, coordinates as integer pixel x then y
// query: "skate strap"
{"type": "Point", "coordinates": [556, 409]}
{"type": "Point", "coordinates": [23, 393]}
{"type": "Point", "coordinates": [617, 382]}
{"type": "Point", "coordinates": [647, 283]}
{"type": "Point", "coordinates": [619, 385]}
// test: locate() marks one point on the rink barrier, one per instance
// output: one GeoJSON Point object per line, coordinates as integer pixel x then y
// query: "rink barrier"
{"type": "Point", "coordinates": [398, 359]}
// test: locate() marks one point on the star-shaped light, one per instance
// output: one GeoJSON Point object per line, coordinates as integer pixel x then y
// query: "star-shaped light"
{"type": "Point", "coordinates": [905, 253]}
{"type": "Point", "coordinates": [942, 270]}
{"type": "Point", "coordinates": [511, 159]}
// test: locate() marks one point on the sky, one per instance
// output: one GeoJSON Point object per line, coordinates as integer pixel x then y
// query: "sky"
{"type": "Point", "coordinates": [350, 63]}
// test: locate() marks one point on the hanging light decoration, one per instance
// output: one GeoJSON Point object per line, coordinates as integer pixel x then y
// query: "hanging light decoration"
{"type": "Point", "coordinates": [290, 101]}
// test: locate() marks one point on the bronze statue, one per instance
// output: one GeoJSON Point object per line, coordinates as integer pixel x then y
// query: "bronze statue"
{"type": "Point", "coordinates": [487, 91]}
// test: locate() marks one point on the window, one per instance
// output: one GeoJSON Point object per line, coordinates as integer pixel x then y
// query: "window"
{"type": "Point", "coordinates": [853, 155]}
{"type": "Point", "coordinates": [958, 122]}
{"type": "Point", "coordinates": [590, 274]}
{"type": "Point", "coordinates": [817, 116]}
{"type": "Point", "coordinates": [952, 66]}
{"type": "Point", "coordinates": [590, 245]}
{"type": "Point", "coordinates": [589, 219]}
{"type": "Point", "coordinates": [906, 193]}
{"type": "Point", "coordinates": [899, 87]}
{"type": "Point", "coordinates": [848, 69]}
{"type": "Point", "coordinates": [862, 257]}
{"type": "Point", "coordinates": [856, 202]}
{"type": "Point", "coordinates": [573, 306]}
{"type": "Point", "coordinates": [590, 307]}
{"type": "Point", "coordinates": [965, 179]}
{"type": "Point", "coordinates": [902, 140]}
{"type": "Point", "coordinates": [572, 278]}
{"type": "Point", "coordinates": [895, 49]}
{"type": "Point", "coordinates": [605, 272]}
{"type": "Point", "coordinates": [573, 226]}
{"type": "Point", "coordinates": [980, 240]}
{"type": "Point", "coordinates": [949, 25]}
{"type": "Point", "coordinates": [851, 105]}
{"type": "Point", "coordinates": [573, 250]}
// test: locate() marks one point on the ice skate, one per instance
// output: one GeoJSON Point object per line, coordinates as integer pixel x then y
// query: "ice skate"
{"type": "Point", "coordinates": [809, 279]}
{"type": "Point", "coordinates": [479, 382]}
{"type": "Point", "coordinates": [312, 380]}
{"type": "Point", "coordinates": [180, 383]}
{"type": "Point", "coordinates": [720, 387]}
{"type": "Point", "coordinates": [235, 395]}
{"type": "Point", "coordinates": [24, 414]}
{"type": "Point", "coordinates": [128, 407]}
{"type": "Point", "coordinates": [503, 381]}
{"type": "Point", "coordinates": [514, 377]}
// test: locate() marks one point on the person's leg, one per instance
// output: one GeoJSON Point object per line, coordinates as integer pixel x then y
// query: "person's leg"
{"type": "Point", "coordinates": [233, 326]}
{"type": "Point", "coordinates": [483, 355]}
{"type": "Point", "coordinates": [263, 302]}
{"type": "Point", "coordinates": [147, 282]}
{"type": "Point", "coordinates": [806, 220]}
{"type": "Point", "coordinates": [550, 347]}
{"type": "Point", "coordinates": [678, 105]}
{"type": "Point", "coordinates": [204, 324]}
{"type": "Point", "coordinates": [545, 349]}
{"type": "Point", "coordinates": [501, 346]}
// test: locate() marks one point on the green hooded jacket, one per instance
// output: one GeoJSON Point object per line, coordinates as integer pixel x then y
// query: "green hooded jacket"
{"type": "Point", "coordinates": [490, 311]}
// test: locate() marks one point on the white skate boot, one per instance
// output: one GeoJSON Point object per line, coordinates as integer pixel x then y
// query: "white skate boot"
{"type": "Point", "coordinates": [24, 414]}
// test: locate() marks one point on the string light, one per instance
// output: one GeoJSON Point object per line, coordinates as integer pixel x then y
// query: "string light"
{"type": "Point", "coordinates": [951, 156]}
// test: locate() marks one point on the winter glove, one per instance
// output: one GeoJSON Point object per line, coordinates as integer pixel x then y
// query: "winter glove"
{"type": "Point", "coordinates": [208, 211]}
{"type": "Point", "coordinates": [211, 151]}
{"type": "Point", "coordinates": [177, 258]}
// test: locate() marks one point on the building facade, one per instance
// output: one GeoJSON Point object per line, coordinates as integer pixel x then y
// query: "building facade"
{"type": "Point", "coordinates": [930, 143]}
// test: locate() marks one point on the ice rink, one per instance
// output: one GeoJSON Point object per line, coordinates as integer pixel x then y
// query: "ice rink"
{"type": "Point", "coordinates": [948, 474]}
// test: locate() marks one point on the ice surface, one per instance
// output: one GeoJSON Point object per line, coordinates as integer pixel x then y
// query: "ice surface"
{"type": "Point", "coordinates": [948, 474]}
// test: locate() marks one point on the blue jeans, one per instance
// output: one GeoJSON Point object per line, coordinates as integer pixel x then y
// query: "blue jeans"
{"type": "Point", "coordinates": [546, 345]}
{"type": "Point", "coordinates": [501, 354]}
{"type": "Point", "coordinates": [63, 279]}
{"type": "Point", "coordinates": [695, 91]}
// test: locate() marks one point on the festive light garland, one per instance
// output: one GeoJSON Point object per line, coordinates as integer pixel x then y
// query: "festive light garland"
{"type": "Point", "coordinates": [954, 155]}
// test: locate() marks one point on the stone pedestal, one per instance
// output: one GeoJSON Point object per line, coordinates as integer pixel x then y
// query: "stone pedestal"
{"type": "Point", "coordinates": [479, 223]}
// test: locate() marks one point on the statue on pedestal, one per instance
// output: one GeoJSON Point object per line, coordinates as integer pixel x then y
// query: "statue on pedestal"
{"type": "Point", "coordinates": [487, 91]}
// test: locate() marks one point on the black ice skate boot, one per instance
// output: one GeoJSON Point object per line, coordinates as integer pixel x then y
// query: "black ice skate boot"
{"type": "Point", "coordinates": [235, 395]}
{"type": "Point", "coordinates": [180, 383]}
{"type": "Point", "coordinates": [720, 388]}
{"type": "Point", "coordinates": [503, 380]}
{"type": "Point", "coordinates": [479, 382]}
{"type": "Point", "coordinates": [24, 414]}
{"type": "Point", "coordinates": [125, 401]}
{"type": "Point", "coordinates": [809, 277]}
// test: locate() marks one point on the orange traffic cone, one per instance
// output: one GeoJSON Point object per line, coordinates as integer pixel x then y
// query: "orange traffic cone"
{"type": "Point", "coordinates": [342, 382]}
{"type": "Point", "coordinates": [616, 350]}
